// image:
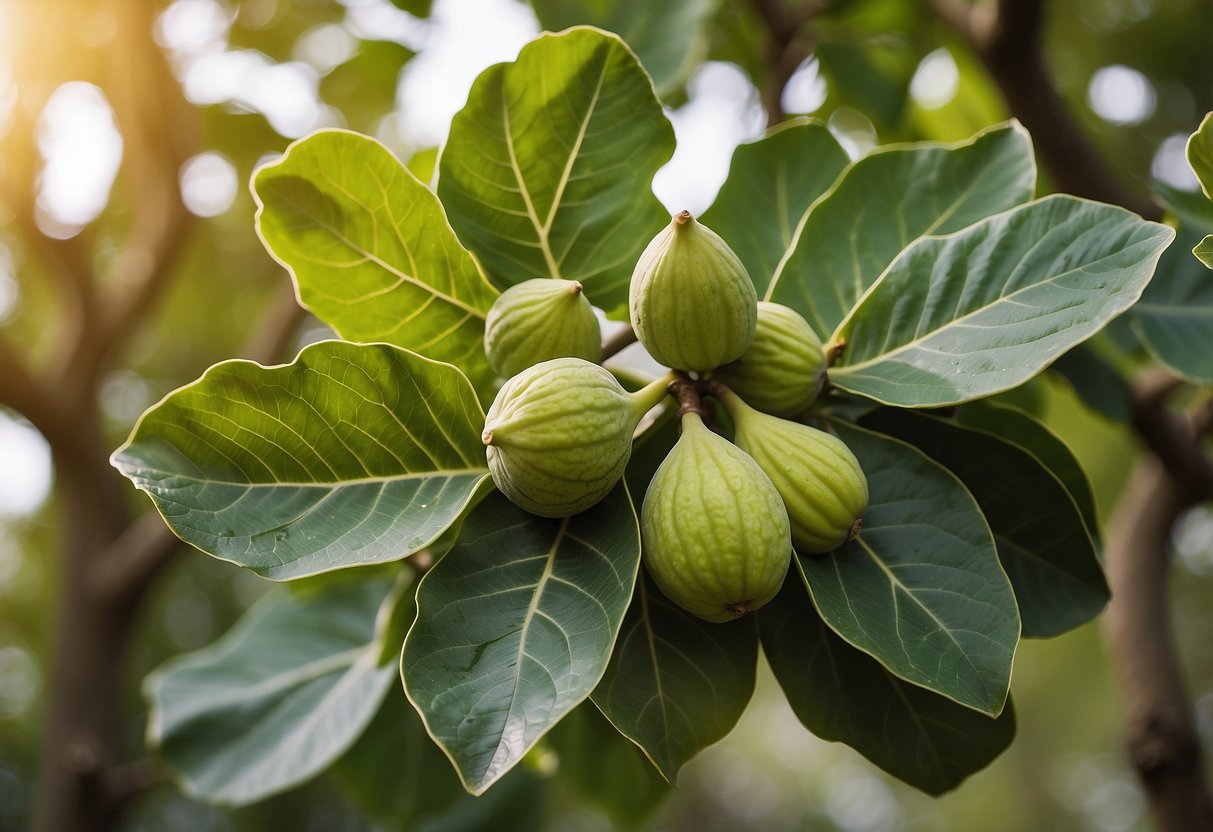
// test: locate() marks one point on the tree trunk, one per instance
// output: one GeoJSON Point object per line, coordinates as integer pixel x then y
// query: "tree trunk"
{"type": "Point", "coordinates": [80, 735]}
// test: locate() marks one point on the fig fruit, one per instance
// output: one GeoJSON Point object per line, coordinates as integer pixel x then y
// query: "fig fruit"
{"type": "Point", "coordinates": [559, 434]}
{"type": "Point", "coordinates": [715, 532]}
{"type": "Point", "coordinates": [692, 303]}
{"type": "Point", "coordinates": [538, 320]}
{"type": "Point", "coordinates": [783, 370]}
{"type": "Point", "coordinates": [820, 480]}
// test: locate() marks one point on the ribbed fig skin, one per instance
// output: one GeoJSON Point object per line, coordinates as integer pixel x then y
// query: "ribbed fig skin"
{"type": "Point", "coordinates": [821, 482]}
{"type": "Point", "coordinates": [716, 536]}
{"type": "Point", "coordinates": [692, 303]}
{"type": "Point", "coordinates": [782, 371]}
{"type": "Point", "coordinates": [559, 435]}
{"type": "Point", "coordinates": [538, 320]}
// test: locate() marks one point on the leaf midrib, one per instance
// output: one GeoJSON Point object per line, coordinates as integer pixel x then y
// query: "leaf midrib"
{"type": "Point", "coordinates": [383, 264]}
{"type": "Point", "coordinates": [418, 475]}
{"type": "Point", "coordinates": [543, 231]}
{"type": "Point", "coordinates": [1001, 299]}
{"type": "Point", "coordinates": [897, 583]}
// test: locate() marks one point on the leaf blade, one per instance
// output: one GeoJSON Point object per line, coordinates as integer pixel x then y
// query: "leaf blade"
{"type": "Point", "coordinates": [772, 182]}
{"type": "Point", "coordinates": [469, 665]}
{"type": "Point", "coordinates": [885, 201]}
{"type": "Point", "coordinates": [928, 600]}
{"type": "Point", "coordinates": [370, 249]}
{"type": "Point", "coordinates": [583, 213]}
{"type": "Point", "coordinates": [1040, 535]}
{"type": "Point", "coordinates": [276, 699]}
{"type": "Point", "coordinates": [667, 656]}
{"type": "Point", "coordinates": [1024, 285]}
{"type": "Point", "coordinates": [843, 695]}
{"type": "Point", "coordinates": [350, 455]}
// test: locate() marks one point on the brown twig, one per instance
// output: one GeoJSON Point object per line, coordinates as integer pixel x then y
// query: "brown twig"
{"type": "Point", "coordinates": [623, 338]}
{"type": "Point", "coordinates": [1161, 737]}
{"type": "Point", "coordinates": [787, 45]}
{"type": "Point", "coordinates": [1006, 37]}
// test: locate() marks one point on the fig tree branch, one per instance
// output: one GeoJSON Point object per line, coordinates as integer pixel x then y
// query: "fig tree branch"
{"type": "Point", "coordinates": [787, 46]}
{"type": "Point", "coordinates": [1161, 737]}
{"type": "Point", "coordinates": [159, 133]}
{"type": "Point", "coordinates": [1006, 36]}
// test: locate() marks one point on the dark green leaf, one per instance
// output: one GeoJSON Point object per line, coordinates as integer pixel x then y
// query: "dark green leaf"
{"type": "Point", "coordinates": [1033, 436]}
{"type": "Point", "coordinates": [873, 77]}
{"type": "Point", "coordinates": [370, 249]}
{"type": "Point", "coordinates": [276, 700]}
{"type": "Point", "coordinates": [515, 626]}
{"type": "Point", "coordinates": [548, 169]}
{"type": "Point", "coordinates": [1204, 251]}
{"type": "Point", "coordinates": [887, 200]}
{"type": "Point", "coordinates": [962, 317]}
{"type": "Point", "coordinates": [605, 768]}
{"type": "Point", "coordinates": [1200, 154]}
{"type": "Point", "coordinates": [1174, 318]}
{"type": "Point", "coordinates": [772, 182]}
{"type": "Point", "coordinates": [842, 694]}
{"type": "Point", "coordinates": [676, 684]}
{"type": "Point", "coordinates": [921, 588]}
{"type": "Point", "coordinates": [1096, 382]}
{"type": "Point", "coordinates": [1040, 534]}
{"type": "Point", "coordinates": [395, 772]}
{"type": "Point", "coordinates": [669, 37]}
{"type": "Point", "coordinates": [351, 455]}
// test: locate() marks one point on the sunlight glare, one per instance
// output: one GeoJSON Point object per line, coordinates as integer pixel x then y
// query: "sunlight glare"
{"type": "Point", "coordinates": [194, 27]}
{"type": "Point", "coordinates": [208, 184]}
{"type": "Point", "coordinates": [805, 91]}
{"type": "Point", "coordinates": [81, 149]}
{"type": "Point", "coordinates": [1121, 95]}
{"type": "Point", "coordinates": [464, 39]}
{"type": "Point", "coordinates": [287, 94]}
{"type": "Point", "coordinates": [936, 80]}
{"type": "Point", "coordinates": [26, 480]}
{"type": "Point", "coordinates": [1170, 164]}
{"type": "Point", "coordinates": [723, 111]}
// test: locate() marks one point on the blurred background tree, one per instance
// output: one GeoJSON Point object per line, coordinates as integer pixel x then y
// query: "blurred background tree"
{"type": "Point", "coordinates": [128, 264]}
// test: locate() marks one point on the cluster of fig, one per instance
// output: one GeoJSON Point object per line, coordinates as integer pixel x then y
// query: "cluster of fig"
{"type": "Point", "coordinates": [721, 518]}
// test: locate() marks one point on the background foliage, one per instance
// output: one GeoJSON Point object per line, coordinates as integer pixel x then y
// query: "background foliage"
{"type": "Point", "coordinates": [868, 52]}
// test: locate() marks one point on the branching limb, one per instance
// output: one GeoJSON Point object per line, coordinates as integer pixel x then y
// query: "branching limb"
{"type": "Point", "coordinates": [1162, 741]}
{"type": "Point", "coordinates": [1006, 36]}
{"type": "Point", "coordinates": [787, 45]}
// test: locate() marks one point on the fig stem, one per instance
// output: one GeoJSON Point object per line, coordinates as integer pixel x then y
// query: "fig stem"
{"type": "Point", "coordinates": [649, 396]}
{"type": "Point", "coordinates": [687, 393]}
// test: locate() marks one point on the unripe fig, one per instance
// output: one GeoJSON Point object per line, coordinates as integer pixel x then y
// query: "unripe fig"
{"type": "Point", "coordinates": [822, 485]}
{"type": "Point", "coordinates": [559, 434]}
{"type": "Point", "coordinates": [692, 303]}
{"type": "Point", "coordinates": [783, 370]}
{"type": "Point", "coordinates": [537, 320]}
{"type": "Point", "coordinates": [715, 531]}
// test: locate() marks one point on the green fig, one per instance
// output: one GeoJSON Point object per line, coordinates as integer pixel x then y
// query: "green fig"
{"type": "Point", "coordinates": [537, 320]}
{"type": "Point", "coordinates": [715, 531]}
{"type": "Point", "coordinates": [783, 370]}
{"type": "Point", "coordinates": [559, 434]}
{"type": "Point", "coordinates": [692, 303]}
{"type": "Point", "coordinates": [821, 482]}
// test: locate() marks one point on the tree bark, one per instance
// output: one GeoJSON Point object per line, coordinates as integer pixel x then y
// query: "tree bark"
{"type": "Point", "coordinates": [80, 734]}
{"type": "Point", "coordinates": [1161, 737]}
